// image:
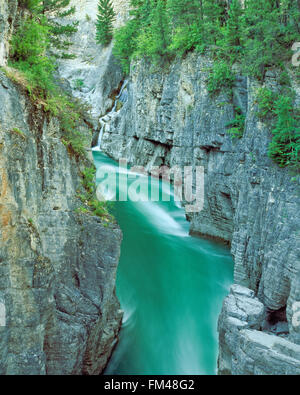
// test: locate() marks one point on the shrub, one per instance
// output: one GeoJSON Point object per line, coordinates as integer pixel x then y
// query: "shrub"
{"type": "Point", "coordinates": [220, 77]}
{"type": "Point", "coordinates": [124, 47]}
{"type": "Point", "coordinates": [186, 39]}
{"type": "Point", "coordinates": [285, 145]}
{"type": "Point", "coordinates": [237, 125]}
{"type": "Point", "coordinates": [266, 102]}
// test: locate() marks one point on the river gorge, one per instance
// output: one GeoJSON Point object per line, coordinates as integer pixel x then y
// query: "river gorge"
{"type": "Point", "coordinates": [171, 293]}
{"type": "Point", "coordinates": [154, 289]}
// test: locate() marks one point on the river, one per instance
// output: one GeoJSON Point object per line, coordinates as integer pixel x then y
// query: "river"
{"type": "Point", "coordinates": [170, 286]}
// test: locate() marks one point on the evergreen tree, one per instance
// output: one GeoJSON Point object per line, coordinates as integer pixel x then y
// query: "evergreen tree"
{"type": "Point", "coordinates": [261, 36]}
{"type": "Point", "coordinates": [186, 17]}
{"type": "Point", "coordinates": [184, 12]}
{"type": "Point", "coordinates": [59, 34]}
{"type": "Point", "coordinates": [214, 18]}
{"type": "Point", "coordinates": [106, 16]}
{"type": "Point", "coordinates": [230, 44]}
{"type": "Point", "coordinates": [160, 27]}
{"type": "Point", "coordinates": [154, 38]}
{"type": "Point", "coordinates": [141, 11]}
{"type": "Point", "coordinates": [285, 146]}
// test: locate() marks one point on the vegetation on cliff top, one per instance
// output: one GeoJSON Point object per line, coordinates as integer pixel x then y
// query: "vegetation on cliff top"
{"type": "Point", "coordinates": [36, 44]}
{"type": "Point", "coordinates": [257, 36]}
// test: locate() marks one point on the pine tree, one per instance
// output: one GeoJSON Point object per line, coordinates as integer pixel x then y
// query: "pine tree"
{"type": "Point", "coordinates": [230, 43]}
{"type": "Point", "coordinates": [214, 18]}
{"type": "Point", "coordinates": [184, 12]}
{"type": "Point", "coordinates": [160, 27]}
{"type": "Point", "coordinates": [261, 36]}
{"type": "Point", "coordinates": [59, 34]}
{"type": "Point", "coordinates": [106, 16]}
{"type": "Point", "coordinates": [186, 19]}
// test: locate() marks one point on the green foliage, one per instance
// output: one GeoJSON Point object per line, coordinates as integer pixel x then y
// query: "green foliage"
{"type": "Point", "coordinates": [214, 17]}
{"type": "Point", "coordinates": [186, 39]}
{"type": "Point", "coordinates": [153, 41]}
{"type": "Point", "coordinates": [18, 132]}
{"type": "Point", "coordinates": [269, 30]}
{"type": "Point", "coordinates": [88, 176]}
{"type": "Point", "coordinates": [91, 204]}
{"type": "Point", "coordinates": [183, 12]}
{"type": "Point", "coordinates": [285, 146]}
{"type": "Point", "coordinates": [32, 55]}
{"type": "Point", "coordinates": [48, 13]}
{"type": "Point", "coordinates": [258, 35]}
{"type": "Point", "coordinates": [220, 77]}
{"type": "Point", "coordinates": [266, 101]}
{"type": "Point", "coordinates": [124, 47]}
{"type": "Point", "coordinates": [28, 53]}
{"type": "Point", "coordinates": [237, 125]}
{"type": "Point", "coordinates": [29, 4]}
{"type": "Point", "coordinates": [82, 210]}
{"type": "Point", "coordinates": [105, 18]}
{"type": "Point", "coordinates": [230, 43]}
{"type": "Point", "coordinates": [78, 84]}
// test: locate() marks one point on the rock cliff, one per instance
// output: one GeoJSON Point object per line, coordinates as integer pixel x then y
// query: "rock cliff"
{"type": "Point", "coordinates": [171, 119]}
{"type": "Point", "coordinates": [58, 309]}
{"type": "Point", "coordinates": [58, 268]}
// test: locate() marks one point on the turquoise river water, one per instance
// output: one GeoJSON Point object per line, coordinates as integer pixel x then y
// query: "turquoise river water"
{"type": "Point", "coordinates": [170, 286]}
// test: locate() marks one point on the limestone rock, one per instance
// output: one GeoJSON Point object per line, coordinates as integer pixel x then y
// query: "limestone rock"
{"type": "Point", "coordinates": [59, 313]}
{"type": "Point", "coordinates": [171, 119]}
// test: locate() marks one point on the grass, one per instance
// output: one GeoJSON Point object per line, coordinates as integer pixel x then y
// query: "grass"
{"type": "Point", "coordinates": [91, 205]}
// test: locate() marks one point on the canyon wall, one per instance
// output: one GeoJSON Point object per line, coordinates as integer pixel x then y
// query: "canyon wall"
{"type": "Point", "coordinates": [94, 75]}
{"type": "Point", "coordinates": [170, 119]}
{"type": "Point", "coordinates": [58, 309]}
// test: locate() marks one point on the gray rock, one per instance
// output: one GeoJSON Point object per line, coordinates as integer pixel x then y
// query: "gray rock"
{"type": "Point", "coordinates": [7, 17]}
{"type": "Point", "coordinates": [94, 75]}
{"type": "Point", "coordinates": [57, 268]}
{"type": "Point", "coordinates": [171, 119]}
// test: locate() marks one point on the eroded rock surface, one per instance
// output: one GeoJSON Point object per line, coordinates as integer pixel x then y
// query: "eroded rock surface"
{"type": "Point", "coordinates": [171, 119]}
{"type": "Point", "coordinates": [94, 75]}
{"type": "Point", "coordinates": [59, 311]}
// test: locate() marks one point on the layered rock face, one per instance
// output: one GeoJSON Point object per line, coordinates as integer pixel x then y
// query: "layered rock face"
{"type": "Point", "coordinates": [171, 119]}
{"type": "Point", "coordinates": [58, 309]}
{"type": "Point", "coordinates": [7, 16]}
{"type": "Point", "coordinates": [94, 75]}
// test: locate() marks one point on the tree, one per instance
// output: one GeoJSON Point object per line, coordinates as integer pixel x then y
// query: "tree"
{"type": "Point", "coordinates": [262, 33]}
{"type": "Point", "coordinates": [104, 26]}
{"type": "Point", "coordinates": [154, 38]}
{"type": "Point", "coordinates": [59, 33]}
{"type": "Point", "coordinates": [230, 43]}
{"type": "Point", "coordinates": [214, 17]}
{"type": "Point", "coordinates": [160, 27]}
{"type": "Point", "coordinates": [184, 12]}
